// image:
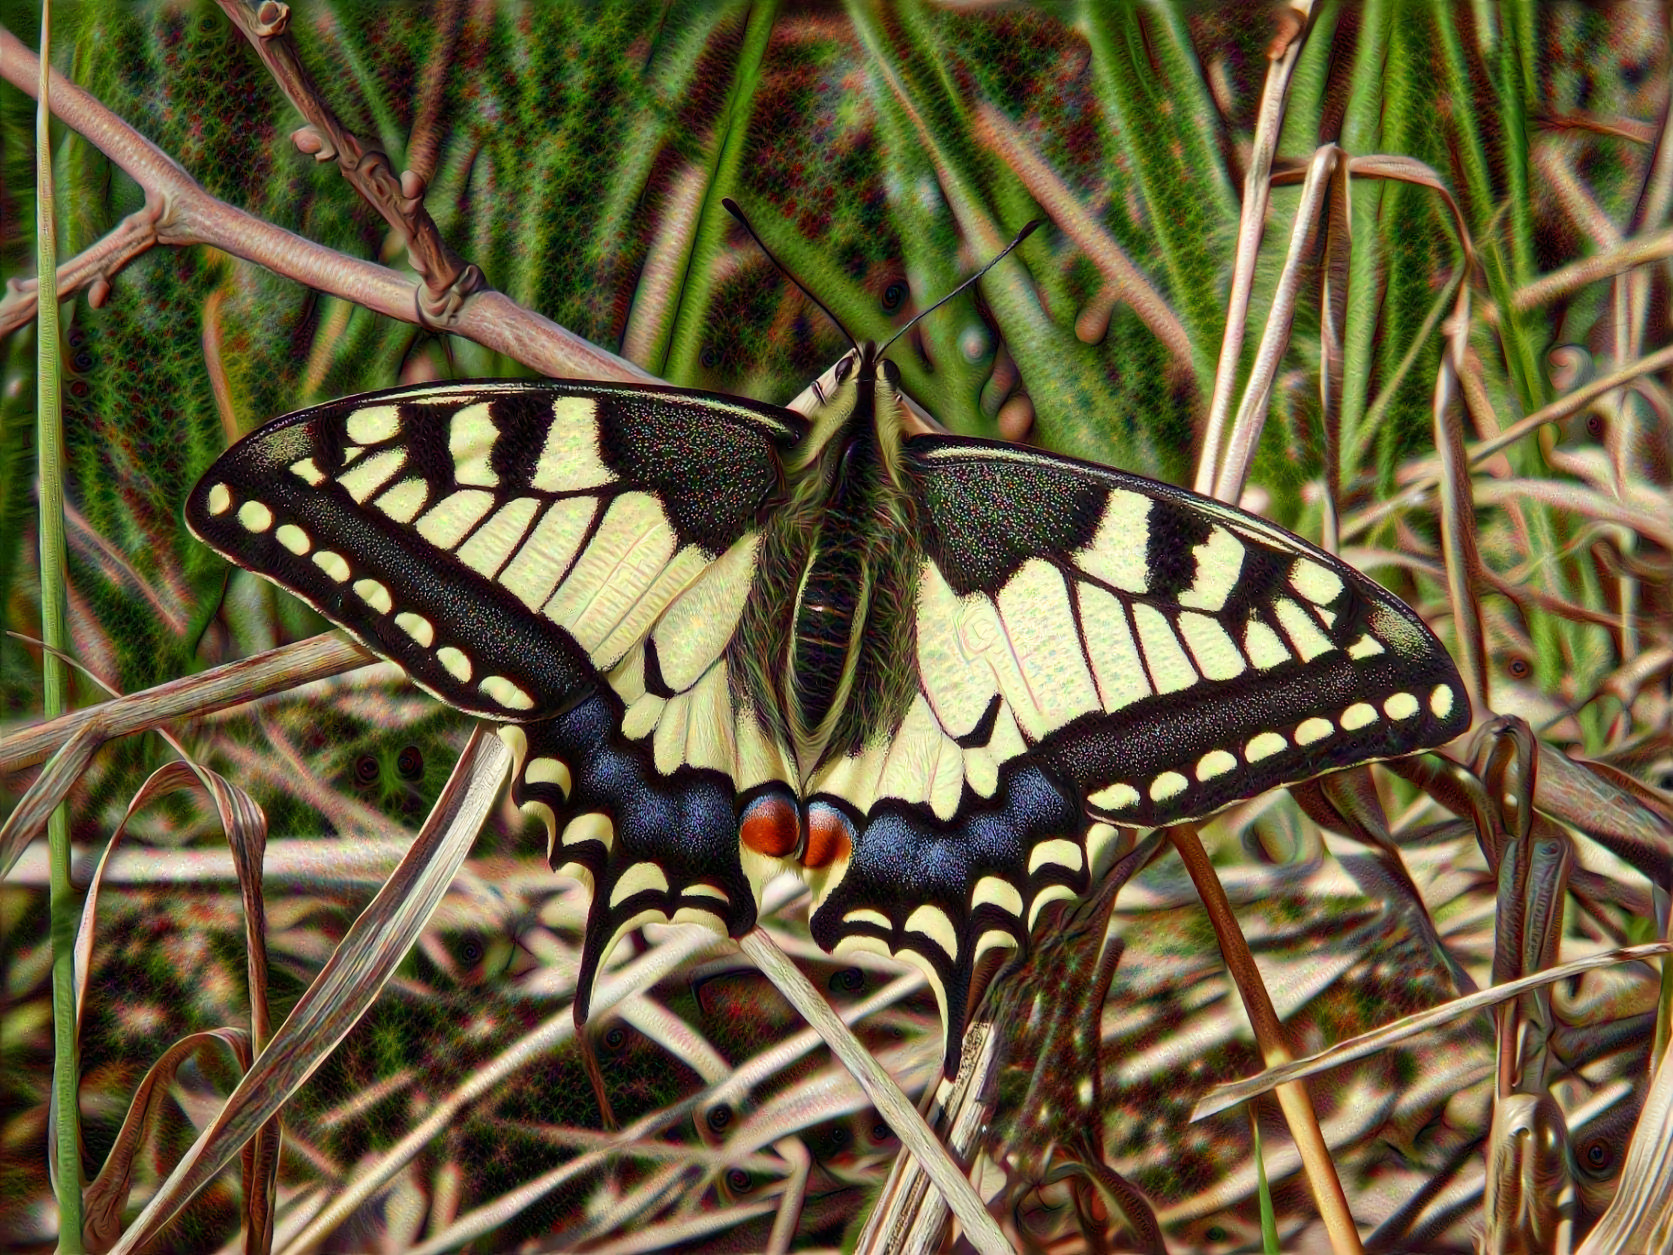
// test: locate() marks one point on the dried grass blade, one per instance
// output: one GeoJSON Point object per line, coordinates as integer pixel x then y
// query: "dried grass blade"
{"type": "Point", "coordinates": [1641, 1216]}
{"type": "Point", "coordinates": [903, 1117]}
{"type": "Point", "coordinates": [245, 827]}
{"type": "Point", "coordinates": [106, 1197]}
{"type": "Point", "coordinates": [1257, 393]}
{"type": "Point", "coordinates": [1571, 792]}
{"type": "Point", "coordinates": [371, 1177]}
{"type": "Point", "coordinates": [29, 817]}
{"type": "Point", "coordinates": [234, 684]}
{"type": "Point", "coordinates": [1333, 330]}
{"type": "Point", "coordinates": [1222, 1097]}
{"type": "Point", "coordinates": [1458, 535]}
{"type": "Point", "coordinates": [1123, 280]}
{"type": "Point", "coordinates": [1269, 125]}
{"type": "Point", "coordinates": [345, 988]}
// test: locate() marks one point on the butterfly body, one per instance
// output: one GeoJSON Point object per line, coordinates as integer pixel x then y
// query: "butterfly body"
{"type": "Point", "coordinates": [932, 675]}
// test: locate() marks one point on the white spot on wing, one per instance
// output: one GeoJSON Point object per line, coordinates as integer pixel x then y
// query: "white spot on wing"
{"type": "Point", "coordinates": [372, 474]}
{"type": "Point", "coordinates": [373, 424]}
{"type": "Point", "coordinates": [1264, 648]}
{"type": "Point", "coordinates": [417, 627]}
{"type": "Point", "coordinates": [549, 771]}
{"type": "Point", "coordinates": [374, 595]}
{"type": "Point", "coordinates": [255, 516]}
{"type": "Point", "coordinates": [1219, 562]}
{"type": "Point", "coordinates": [1440, 701]}
{"type": "Point", "coordinates": [470, 439]}
{"type": "Point", "coordinates": [1357, 716]}
{"type": "Point", "coordinates": [1115, 657]}
{"type": "Point", "coordinates": [1040, 627]}
{"type": "Point", "coordinates": [1314, 729]}
{"type": "Point", "coordinates": [1170, 669]}
{"type": "Point", "coordinates": [332, 564]}
{"type": "Point", "coordinates": [491, 544]}
{"type": "Point", "coordinates": [445, 523]}
{"type": "Point", "coordinates": [546, 555]}
{"type": "Point", "coordinates": [1309, 641]}
{"type": "Point", "coordinates": [570, 462]}
{"type": "Point", "coordinates": [1215, 763]}
{"type": "Point", "coordinates": [403, 502]}
{"type": "Point", "coordinates": [1167, 785]}
{"type": "Point", "coordinates": [1058, 852]}
{"type": "Point", "coordinates": [220, 499]}
{"type": "Point", "coordinates": [293, 538]}
{"type": "Point", "coordinates": [639, 878]}
{"type": "Point", "coordinates": [993, 891]}
{"type": "Point", "coordinates": [507, 694]}
{"type": "Point", "coordinates": [307, 469]}
{"type": "Point", "coordinates": [1367, 646]}
{"type": "Point", "coordinates": [932, 921]}
{"type": "Point", "coordinates": [1264, 745]}
{"type": "Point", "coordinates": [458, 666]}
{"type": "Point", "coordinates": [1318, 584]}
{"type": "Point", "coordinates": [591, 826]}
{"type": "Point", "coordinates": [632, 545]}
{"type": "Point", "coordinates": [1401, 706]}
{"type": "Point", "coordinates": [1215, 652]}
{"type": "Point", "coordinates": [699, 622]}
{"type": "Point", "coordinates": [1115, 797]}
{"type": "Point", "coordinates": [1117, 552]}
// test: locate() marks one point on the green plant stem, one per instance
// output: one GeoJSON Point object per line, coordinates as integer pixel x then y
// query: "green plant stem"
{"type": "Point", "coordinates": [1293, 1098]}
{"type": "Point", "coordinates": [54, 677]}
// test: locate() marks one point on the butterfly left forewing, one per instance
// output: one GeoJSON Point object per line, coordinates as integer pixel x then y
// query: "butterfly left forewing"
{"type": "Point", "coordinates": [570, 558]}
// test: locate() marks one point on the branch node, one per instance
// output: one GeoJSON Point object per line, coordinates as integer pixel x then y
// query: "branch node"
{"type": "Point", "coordinates": [99, 292]}
{"type": "Point", "coordinates": [439, 308]}
{"type": "Point", "coordinates": [310, 139]}
{"type": "Point", "coordinates": [272, 18]}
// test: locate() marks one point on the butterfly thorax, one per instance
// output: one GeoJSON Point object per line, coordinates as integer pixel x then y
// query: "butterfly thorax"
{"type": "Point", "coordinates": [841, 559]}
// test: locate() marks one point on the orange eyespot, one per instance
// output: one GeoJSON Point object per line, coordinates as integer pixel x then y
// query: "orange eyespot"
{"type": "Point", "coordinates": [829, 837]}
{"type": "Point", "coordinates": [769, 826]}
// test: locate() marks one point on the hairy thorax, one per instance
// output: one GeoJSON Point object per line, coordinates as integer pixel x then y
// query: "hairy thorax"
{"type": "Point", "coordinates": [841, 564]}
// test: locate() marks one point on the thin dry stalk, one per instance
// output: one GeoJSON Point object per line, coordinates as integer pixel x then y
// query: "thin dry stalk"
{"type": "Point", "coordinates": [1123, 281]}
{"type": "Point", "coordinates": [234, 684]}
{"type": "Point", "coordinates": [1458, 540]}
{"type": "Point", "coordinates": [880, 1087]}
{"type": "Point", "coordinates": [1297, 1105]}
{"type": "Point", "coordinates": [1257, 394]}
{"type": "Point", "coordinates": [1282, 54]}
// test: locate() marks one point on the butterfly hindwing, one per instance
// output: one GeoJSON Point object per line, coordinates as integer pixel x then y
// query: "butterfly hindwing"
{"type": "Point", "coordinates": [571, 559]}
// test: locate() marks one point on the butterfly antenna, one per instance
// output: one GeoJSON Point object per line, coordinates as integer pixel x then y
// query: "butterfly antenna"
{"type": "Point", "coordinates": [998, 257]}
{"type": "Point", "coordinates": [733, 209]}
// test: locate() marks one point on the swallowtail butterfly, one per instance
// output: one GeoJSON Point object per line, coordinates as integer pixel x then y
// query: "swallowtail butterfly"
{"type": "Point", "coordinates": [930, 674]}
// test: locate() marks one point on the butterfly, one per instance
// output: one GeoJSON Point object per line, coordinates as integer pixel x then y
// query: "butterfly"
{"type": "Point", "coordinates": [935, 676]}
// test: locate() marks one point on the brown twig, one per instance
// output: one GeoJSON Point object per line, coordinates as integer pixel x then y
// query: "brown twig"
{"type": "Point", "coordinates": [187, 214]}
{"type": "Point", "coordinates": [1293, 1098]}
{"type": "Point", "coordinates": [448, 280]}
{"type": "Point", "coordinates": [93, 269]}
